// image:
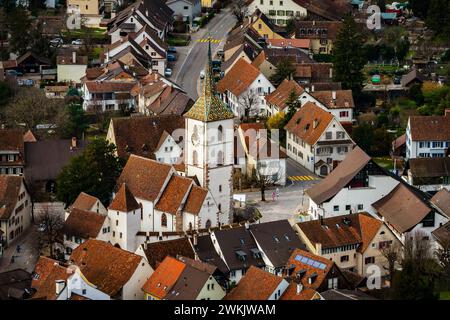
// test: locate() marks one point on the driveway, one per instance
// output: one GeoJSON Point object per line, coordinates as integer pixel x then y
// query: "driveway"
{"type": "Point", "coordinates": [192, 59]}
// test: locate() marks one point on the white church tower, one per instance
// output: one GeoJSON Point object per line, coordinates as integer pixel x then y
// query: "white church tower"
{"type": "Point", "coordinates": [209, 145]}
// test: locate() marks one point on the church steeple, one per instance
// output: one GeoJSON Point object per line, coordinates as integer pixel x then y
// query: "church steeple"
{"type": "Point", "coordinates": [208, 106]}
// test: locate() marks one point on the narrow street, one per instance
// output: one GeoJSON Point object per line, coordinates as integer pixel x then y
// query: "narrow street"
{"type": "Point", "coordinates": [191, 59]}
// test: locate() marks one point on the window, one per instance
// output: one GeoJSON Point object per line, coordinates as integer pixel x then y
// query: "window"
{"type": "Point", "coordinates": [220, 158]}
{"type": "Point", "coordinates": [347, 207]}
{"type": "Point", "coordinates": [186, 8]}
{"type": "Point", "coordinates": [328, 135]}
{"type": "Point", "coordinates": [340, 135]}
{"type": "Point", "coordinates": [333, 283]}
{"type": "Point", "coordinates": [120, 235]}
{"type": "Point", "coordinates": [360, 206]}
{"type": "Point", "coordinates": [261, 2]}
{"type": "Point", "coordinates": [369, 260]}
{"type": "Point", "coordinates": [437, 144]}
{"type": "Point", "coordinates": [117, 222]}
{"type": "Point", "coordinates": [220, 188]}
{"type": "Point", "coordinates": [428, 221]}
{"type": "Point", "coordinates": [344, 258]}
{"type": "Point", "coordinates": [194, 158]}
{"type": "Point", "coordinates": [272, 12]}
{"type": "Point", "coordinates": [281, 3]}
{"type": "Point", "coordinates": [343, 114]}
{"type": "Point", "coordinates": [163, 220]}
{"type": "Point", "coordinates": [220, 133]}
{"type": "Point", "coordinates": [336, 208]}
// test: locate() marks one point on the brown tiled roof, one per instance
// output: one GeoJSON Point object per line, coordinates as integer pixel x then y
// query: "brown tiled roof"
{"type": "Point", "coordinates": [281, 94]}
{"type": "Point", "coordinates": [331, 27]}
{"type": "Point", "coordinates": [339, 231]}
{"type": "Point", "coordinates": [109, 86]}
{"type": "Point", "coordinates": [304, 294]}
{"type": "Point", "coordinates": [239, 78]}
{"type": "Point", "coordinates": [430, 128]}
{"type": "Point", "coordinates": [195, 200]}
{"type": "Point", "coordinates": [9, 194]}
{"type": "Point", "coordinates": [321, 273]}
{"type": "Point", "coordinates": [294, 55]}
{"type": "Point", "coordinates": [84, 201]}
{"type": "Point", "coordinates": [339, 177]}
{"type": "Point", "coordinates": [29, 137]}
{"type": "Point", "coordinates": [173, 194]}
{"type": "Point", "coordinates": [286, 43]}
{"type": "Point", "coordinates": [344, 99]}
{"type": "Point", "coordinates": [429, 167]}
{"type": "Point", "coordinates": [442, 234]}
{"type": "Point", "coordinates": [83, 224]}
{"type": "Point", "coordinates": [316, 72]}
{"type": "Point", "coordinates": [398, 142]}
{"type": "Point", "coordinates": [330, 10]}
{"type": "Point", "coordinates": [442, 201]}
{"type": "Point", "coordinates": [11, 140]}
{"type": "Point", "coordinates": [302, 123]}
{"type": "Point", "coordinates": [107, 267]}
{"type": "Point", "coordinates": [124, 200]}
{"type": "Point", "coordinates": [144, 177]}
{"type": "Point", "coordinates": [256, 284]}
{"type": "Point", "coordinates": [56, 88]}
{"type": "Point", "coordinates": [68, 60]}
{"type": "Point", "coordinates": [46, 272]}
{"type": "Point", "coordinates": [164, 278]}
{"type": "Point", "coordinates": [141, 135]}
{"type": "Point", "coordinates": [402, 208]}
{"type": "Point", "coordinates": [157, 251]}
{"type": "Point", "coordinates": [260, 58]}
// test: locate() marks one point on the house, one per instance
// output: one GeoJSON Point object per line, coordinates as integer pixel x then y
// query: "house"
{"type": "Point", "coordinates": [411, 78]}
{"type": "Point", "coordinates": [264, 26]}
{"type": "Point", "coordinates": [15, 207]}
{"type": "Point", "coordinates": [71, 69]}
{"type": "Point", "coordinates": [276, 101]}
{"type": "Point", "coordinates": [322, 34]}
{"type": "Point", "coordinates": [56, 92]}
{"type": "Point", "coordinates": [427, 136]}
{"type": "Point", "coordinates": [183, 279]}
{"type": "Point", "coordinates": [268, 59]}
{"type": "Point", "coordinates": [441, 201]}
{"type": "Point", "coordinates": [442, 235]}
{"type": "Point", "coordinates": [53, 280]}
{"type": "Point", "coordinates": [15, 284]}
{"type": "Point", "coordinates": [187, 9]}
{"type": "Point", "coordinates": [354, 242]}
{"type": "Point", "coordinates": [12, 156]}
{"type": "Point", "coordinates": [261, 153]}
{"type": "Point", "coordinates": [154, 13]}
{"type": "Point", "coordinates": [108, 95]}
{"type": "Point", "coordinates": [399, 147]}
{"type": "Point", "coordinates": [304, 44]}
{"type": "Point", "coordinates": [243, 89]}
{"type": "Point", "coordinates": [86, 202]}
{"type": "Point", "coordinates": [279, 12]}
{"type": "Point", "coordinates": [30, 62]}
{"type": "Point", "coordinates": [46, 158]}
{"type": "Point", "coordinates": [316, 139]}
{"type": "Point", "coordinates": [82, 225]}
{"type": "Point", "coordinates": [87, 9]}
{"type": "Point", "coordinates": [155, 137]}
{"type": "Point", "coordinates": [325, 10]}
{"type": "Point", "coordinates": [429, 175]}
{"type": "Point", "coordinates": [118, 273]}
{"type": "Point", "coordinates": [307, 271]}
{"type": "Point", "coordinates": [315, 76]}
{"type": "Point", "coordinates": [258, 284]}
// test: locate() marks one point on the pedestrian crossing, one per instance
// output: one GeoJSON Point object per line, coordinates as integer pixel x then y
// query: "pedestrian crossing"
{"type": "Point", "coordinates": [302, 178]}
{"type": "Point", "coordinates": [208, 39]}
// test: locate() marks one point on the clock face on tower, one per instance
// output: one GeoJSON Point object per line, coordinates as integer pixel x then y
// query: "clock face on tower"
{"type": "Point", "coordinates": [195, 139]}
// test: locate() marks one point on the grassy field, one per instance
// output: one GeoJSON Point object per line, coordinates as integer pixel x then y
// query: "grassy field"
{"type": "Point", "coordinates": [385, 162]}
{"type": "Point", "coordinates": [96, 33]}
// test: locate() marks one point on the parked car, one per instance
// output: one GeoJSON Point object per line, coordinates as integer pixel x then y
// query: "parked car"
{"type": "Point", "coordinates": [202, 74]}
{"type": "Point", "coordinates": [168, 72]}
{"type": "Point", "coordinates": [14, 73]}
{"type": "Point", "coordinates": [56, 42]}
{"type": "Point", "coordinates": [42, 227]}
{"type": "Point", "coordinates": [171, 57]}
{"type": "Point", "coordinates": [29, 82]}
{"type": "Point", "coordinates": [397, 80]}
{"type": "Point", "coordinates": [20, 82]}
{"type": "Point", "coordinates": [77, 42]}
{"type": "Point", "coordinates": [220, 53]}
{"type": "Point", "coordinates": [171, 50]}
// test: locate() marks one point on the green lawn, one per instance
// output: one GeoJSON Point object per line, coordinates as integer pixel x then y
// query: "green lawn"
{"type": "Point", "coordinates": [445, 295]}
{"type": "Point", "coordinates": [385, 162]}
{"type": "Point", "coordinates": [97, 33]}
{"type": "Point", "coordinates": [177, 41]}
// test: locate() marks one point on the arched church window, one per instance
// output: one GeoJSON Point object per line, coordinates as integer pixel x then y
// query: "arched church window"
{"type": "Point", "coordinates": [220, 158]}
{"type": "Point", "coordinates": [194, 158]}
{"type": "Point", "coordinates": [208, 224]}
{"type": "Point", "coordinates": [220, 133]}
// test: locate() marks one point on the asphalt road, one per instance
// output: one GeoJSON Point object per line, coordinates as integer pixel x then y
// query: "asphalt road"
{"type": "Point", "coordinates": [188, 74]}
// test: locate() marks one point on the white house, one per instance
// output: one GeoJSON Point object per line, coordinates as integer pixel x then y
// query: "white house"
{"type": "Point", "coordinates": [279, 11]}
{"type": "Point", "coordinates": [15, 207]}
{"type": "Point", "coordinates": [71, 68]}
{"type": "Point", "coordinates": [316, 139]}
{"type": "Point", "coordinates": [427, 136]}
{"type": "Point", "coordinates": [243, 89]}
{"type": "Point", "coordinates": [108, 95]}
{"type": "Point", "coordinates": [187, 9]}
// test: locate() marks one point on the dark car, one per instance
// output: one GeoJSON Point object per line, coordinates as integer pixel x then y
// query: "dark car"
{"type": "Point", "coordinates": [171, 57]}
{"type": "Point", "coordinates": [397, 80]}
{"type": "Point", "coordinates": [171, 50]}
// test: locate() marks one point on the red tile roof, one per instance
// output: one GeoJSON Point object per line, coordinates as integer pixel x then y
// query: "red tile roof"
{"type": "Point", "coordinates": [303, 123]}
{"type": "Point", "coordinates": [124, 200]}
{"type": "Point", "coordinates": [430, 128]}
{"type": "Point", "coordinates": [295, 43]}
{"type": "Point", "coordinates": [292, 293]}
{"type": "Point", "coordinates": [195, 200]}
{"type": "Point", "coordinates": [46, 272]}
{"type": "Point", "coordinates": [144, 177]}
{"type": "Point", "coordinates": [281, 94]}
{"type": "Point", "coordinates": [84, 201]}
{"type": "Point", "coordinates": [256, 284]}
{"type": "Point", "coordinates": [83, 224]}
{"type": "Point", "coordinates": [239, 78]}
{"type": "Point", "coordinates": [344, 98]}
{"type": "Point", "coordinates": [107, 267]}
{"type": "Point", "coordinates": [9, 194]}
{"type": "Point", "coordinates": [109, 86]}
{"type": "Point", "coordinates": [173, 194]}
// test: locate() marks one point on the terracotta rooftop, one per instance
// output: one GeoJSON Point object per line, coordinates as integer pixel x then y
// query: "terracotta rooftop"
{"type": "Point", "coordinates": [11, 140]}
{"type": "Point", "coordinates": [195, 200]}
{"type": "Point", "coordinates": [430, 128]}
{"type": "Point", "coordinates": [46, 272]}
{"type": "Point", "coordinates": [144, 177]}
{"type": "Point", "coordinates": [339, 177]}
{"type": "Point", "coordinates": [293, 293]}
{"type": "Point", "coordinates": [309, 123]}
{"type": "Point", "coordinates": [239, 78]}
{"type": "Point", "coordinates": [282, 93]}
{"type": "Point", "coordinates": [286, 43]}
{"type": "Point", "coordinates": [174, 194]}
{"type": "Point", "coordinates": [124, 200]}
{"type": "Point", "coordinates": [84, 201]}
{"type": "Point", "coordinates": [107, 267]}
{"type": "Point", "coordinates": [442, 201]}
{"type": "Point", "coordinates": [157, 251]}
{"type": "Point", "coordinates": [256, 284]}
{"type": "Point", "coordinates": [344, 99]}
{"type": "Point", "coordinates": [9, 194]}
{"type": "Point", "coordinates": [83, 224]}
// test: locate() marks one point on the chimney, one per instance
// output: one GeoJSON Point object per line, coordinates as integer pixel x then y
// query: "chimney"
{"type": "Point", "coordinates": [74, 57]}
{"type": "Point", "coordinates": [312, 88]}
{"type": "Point", "coordinates": [333, 94]}
{"type": "Point", "coordinates": [247, 225]}
{"type": "Point", "coordinates": [315, 123]}
{"type": "Point", "coordinates": [331, 73]}
{"type": "Point", "coordinates": [74, 143]}
{"type": "Point", "coordinates": [307, 89]}
{"type": "Point", "coordinates": [318, 249]}
{"type": "Point", "coordinates": [299, 288]}
{"type": "Point", "coordinates": [59, 286]}
{"type": "Point", "coordinates": [113, 14]}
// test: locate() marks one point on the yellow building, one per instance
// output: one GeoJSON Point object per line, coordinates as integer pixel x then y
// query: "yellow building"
{"type": "Point", "coordinates": [264, 26]}
{"type": "Point", "coordinates": [84, 7]}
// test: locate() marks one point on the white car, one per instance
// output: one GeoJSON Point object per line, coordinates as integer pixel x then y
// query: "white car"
{"type": "Point", "coordinates": [77, 42]}
{"type": "Point", "coordinates": [202, 74]}
{"type": "Point", "coordinates": [56, 42]}
{"type": "Point", "coordinates": [168, 72]}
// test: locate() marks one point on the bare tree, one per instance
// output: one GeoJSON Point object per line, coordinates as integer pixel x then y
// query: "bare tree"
{"type": "Point", "coordinates": [443, 256]}
{"type": "Point", "coordinates": [50, 227]}
{"type": "Point", "coordinates": [239, 10]}
{"type": "Point", "coordinates": [248, 101]}
{"type": "Point", "coordinates": [265, 177]}
{"type": "Point", "coordinates": [392, 253]}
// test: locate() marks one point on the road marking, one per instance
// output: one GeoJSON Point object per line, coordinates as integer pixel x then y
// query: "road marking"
{"type": "Point", "coordinates": [207, 40]}
{"type": "Point", "coordinates": [302, 178]}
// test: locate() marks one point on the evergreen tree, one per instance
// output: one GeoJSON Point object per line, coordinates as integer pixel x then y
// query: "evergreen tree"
{"type": "Point", "coordinates": [75, 124]}
{"type": "Point", "coordinates": [293, 104]}
{"type": "Point", "coordinates": [285, 69]}
{"type": "Point", "coordinates": [349, 56]}
{"type": "Point", "coordinates": [94, 171]}
{"type": "Point", "coordinates": [419, 7]}
{"type": "Point", "coordinates": [438, 16]}
{"type": "Point", "coordinates": [19, 27]}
